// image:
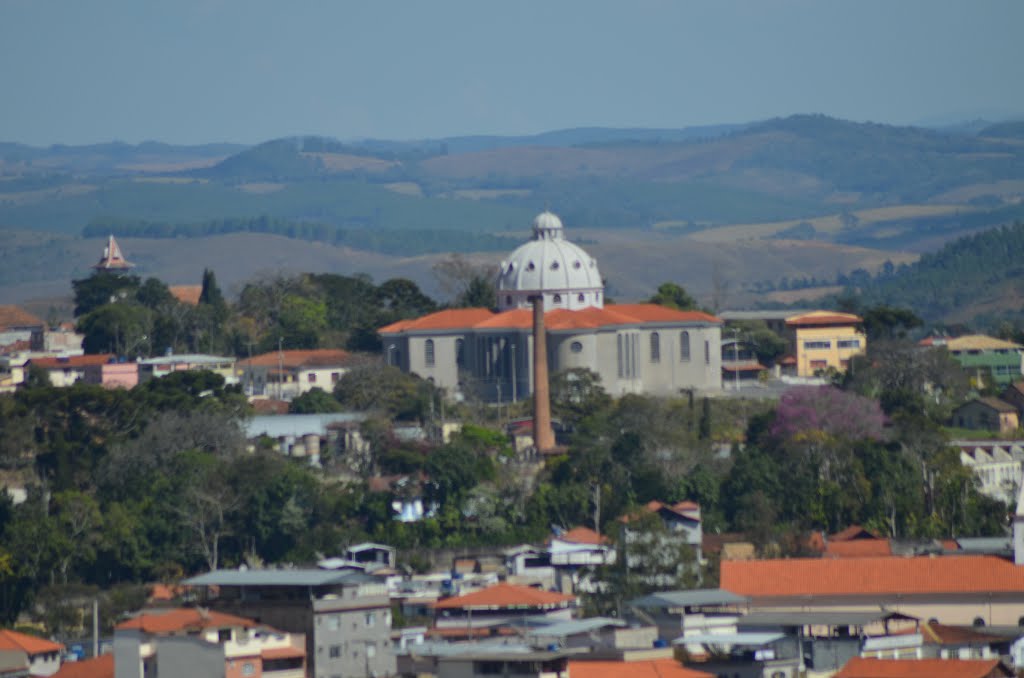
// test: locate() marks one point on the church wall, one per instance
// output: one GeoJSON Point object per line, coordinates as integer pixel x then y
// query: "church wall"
{"type": "Point", "coordinates": [443, 370]}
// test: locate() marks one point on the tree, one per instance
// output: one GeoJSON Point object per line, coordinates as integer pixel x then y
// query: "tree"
{"type": "Point", "coordinates": [314, 401]}
{"type": "Point", "coordinates": [101, 288]}
{"type": "Point", "coordinates": [889, 322]}
{"type": "Point", "coordinates": [470, 284]}
{"type": "Point", "coordinates": [577, 393]}
{"type": "Point", "coordinates": [385, 389]}
{"type": "Point", "coordinates": [121, 329]}
{"type": "Point", "coordinates": [674, 296]}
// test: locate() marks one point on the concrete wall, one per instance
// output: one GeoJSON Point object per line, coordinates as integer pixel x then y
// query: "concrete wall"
{"type": "Point", "coordinates": [184, 656]}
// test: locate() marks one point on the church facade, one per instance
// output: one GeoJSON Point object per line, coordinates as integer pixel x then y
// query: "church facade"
{"type": "Point", "coordinates": [634, 348]}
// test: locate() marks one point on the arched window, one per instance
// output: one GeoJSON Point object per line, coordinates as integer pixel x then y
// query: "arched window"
{"type": "Point", "coordinates": [684, 346]}
{"type": "Point", "coordinates": [707, 352]}
{"type": "Point", "coordinates": [428, 352]}
{"type": "Point", "coordinates": [460, 352]}
{"type": "Point", "coordinates": [508, 299]}
{"type": "Point", "coordinates": [655, 348]}
{"type": "Point", "coordinates": [557, 299]}
{"type": "Point", "coordinates": [978, 621]}
{"type": "Point", "coordinates": [581, 298]}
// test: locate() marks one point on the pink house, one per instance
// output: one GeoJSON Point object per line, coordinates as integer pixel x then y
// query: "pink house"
{"type": "Point", "coordinates": [112, 374]}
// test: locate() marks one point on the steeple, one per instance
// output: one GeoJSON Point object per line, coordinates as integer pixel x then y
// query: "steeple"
{"type": "Point", "coordinates": [112, 258]}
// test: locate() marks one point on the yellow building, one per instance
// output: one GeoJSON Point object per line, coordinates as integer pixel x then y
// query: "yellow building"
{"type": "Point", "coordinates": [823, 339]}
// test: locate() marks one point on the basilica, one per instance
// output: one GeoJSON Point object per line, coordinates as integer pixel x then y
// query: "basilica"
{"type": "Point", "coordinates": [634, 348]}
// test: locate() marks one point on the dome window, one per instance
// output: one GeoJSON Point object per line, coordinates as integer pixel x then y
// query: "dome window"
{"type": "Point", "coordinates": [577, 265]}
{"type": "Point", "coordinates": [530, 266]}
{"type": "Point", "coordinates": [557, 299]}
{"type": "Point", "coordinates": [512, 268]}
{"type": "Point", "coordinates": [554, 265]}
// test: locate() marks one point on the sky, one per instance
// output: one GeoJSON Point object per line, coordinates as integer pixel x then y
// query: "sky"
{"type": "Point", "coordinates": [198, 71]}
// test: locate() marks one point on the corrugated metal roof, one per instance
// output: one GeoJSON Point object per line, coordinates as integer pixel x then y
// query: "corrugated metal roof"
{"type": "Point", "coordinates": [575, 626]}
{"type": "Point", "coordinates": [748, 638]}
{"type": "Point", "coordinates": [695, 597]}
{"type": "Point", "coordinates": [303, 577]}
{"type": "Point", "coordinates": [824, 618]}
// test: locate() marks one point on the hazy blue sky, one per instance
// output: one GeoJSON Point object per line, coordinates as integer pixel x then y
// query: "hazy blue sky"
{"type": "Point", "coordinates": [249, 70]}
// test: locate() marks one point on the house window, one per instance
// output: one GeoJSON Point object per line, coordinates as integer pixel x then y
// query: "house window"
{"type": "Point", "coordinates": [655, 347]}
{"type": "Point", "coordinates": [312, 377]}
{"type": "Point", "coordinates": [223, 635]}
{"type": "Point", "coordinates": [333, 623]}
{"type": "Point", "coordinates": [371, 619]}
{"type": "Point", "coordinates": [707, 352]}
{"type": "Point", "coordinates": [334, 652]}
{"type": "Point", "coordinates": [428, 352]}
{"type": "Point", "coordinates": [684, 346]}
{"type": "Point", "coordinates": [848, 343]}
{"type": "Point", "coordinates": [816, 345]}
{"type": "Point", "coordinates": [335, 377]}
{"type": "Point", "coordinates": [819, 364]}
{"type": "Point", "coordinates": [371, 650]}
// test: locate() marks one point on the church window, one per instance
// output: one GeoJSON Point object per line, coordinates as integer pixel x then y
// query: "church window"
{"type": "Point", "coordinates": [508, 299]}
{"type": "Point", "coordinates": [581, 298]}
{"type": "Point", "coordinates": [576, 347]}
{"type": "Point", "coordinates": [557, 298]}
{"type": "Point", "coordinates": [655, 347]}
{"type": "Point", "coordinates": [684, 346]}
{"type": "Point", "coordinates": [707, 352]}
{"type": "Point", "coordinates": [460, 352]}
{"type": "Point", "coordinates": [428, 352]}
{"type": "Point", "coordinates": [618, 355]}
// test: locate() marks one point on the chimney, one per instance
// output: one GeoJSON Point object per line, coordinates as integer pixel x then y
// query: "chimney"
{"type": "Point", "coordinates": [543, 435]}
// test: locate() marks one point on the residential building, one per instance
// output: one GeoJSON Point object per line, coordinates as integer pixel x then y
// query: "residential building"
{"type": "Point", "coordinates": [824, 340]}
{"type": "Point", "coordinates": [634, 348]}
{"type": "Point", "coordinates": [40, 656]}
{"type": "Point", "coordinates": [201, 642]}
{"type": "Point", "coordinates": [502, 604]}
{"type": "Point", "coordinates": [957, 589]}
{"type": "Point", "coordinates": [574, 553]}
{"type": "Point", "coordinates": [112, 374]}
{"type": "Point", "coordinates": [18, 326]}
{"type": "Point", "coordinates": [482, 659]}
{"type": "Point", "coordinates": [287, 374]}
{"type": "Point", "coordinates": [344, 615]}
{"type": "Point", "coordinates": [186, 294]}
{"type": "Point", "coordinates": [66, 370]}
{"type": "Point", "coordinates": [982, 356]}
{"type": "Point", "coordinates": [690, 613]}
{"type": "Point", "coordinates": [372, 556]}
{"type": "Point", "coordinates": [740, 365]}
{"type": "Point", "coordinates": [154, 368]}
{"type": "Point", "coordinates": [987, 414]}
{"type": "Point", "coordinates": [997, 464]}
{"type": "Point", "coordinates": [662, 549]}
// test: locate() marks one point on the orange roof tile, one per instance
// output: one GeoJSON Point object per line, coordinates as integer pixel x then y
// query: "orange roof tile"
{"type": "Point", "coordinates": [649, 668]}
{"type": "Point", "coordinates": [449, 319]}
{"type": "Point", "coordinates": [686, 509]}
{"type": "Point", "coordinates": [823, 318]}
{"type": "Point", "coordinates": [506, 596]}
{"type": "Point", "coordinates": [859, 667]}
{"type": "Point", "coordinates": [73, 361]}
{"type": "Point", "coordinates": [871, 576]}
{"type": "Point", "coordinates": [556, 320]}
{"type": "Point", "coordinates": [858, 548]}
{"type": "Point", "coordinates": [853, 532]}
{"type": "Point", "coordinates": [181, 619]}
{"type": "Point", "coordinates": [940, 634]}
{"type": "Point", "coordinates": [582, 535]}
{"type": "Point", "coordinates": [283, 653]}
{"type": "Point", "coordinates": [30, 645]}
{"type": "Point", "coordinates": [96, 667]}
{"type": "Point", "coordinates": [320, 357]}
{"type": "Point", "coordinates": [15, 316]}
{"type": "Point", "coordinates": [187, 294]}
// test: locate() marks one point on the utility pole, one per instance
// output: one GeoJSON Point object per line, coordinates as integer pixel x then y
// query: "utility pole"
{"type": "Point", "coordinates": [280, 368]}
{"type": "Point", "coordinates": [736, 357]}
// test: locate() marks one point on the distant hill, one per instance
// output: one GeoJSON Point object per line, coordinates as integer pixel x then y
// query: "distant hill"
{"type": "Point", "coordinates": [1004, 130]}
{"type": "Point", "coordinates": [976, 278]}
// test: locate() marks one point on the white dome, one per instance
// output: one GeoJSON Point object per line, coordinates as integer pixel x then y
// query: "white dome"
{"type": "Point", "coordinates": [550, 265]}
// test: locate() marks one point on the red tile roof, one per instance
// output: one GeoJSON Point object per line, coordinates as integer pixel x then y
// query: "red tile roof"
{"type": "Point", "coordinates": [871, 576]}
{"type": "Point", "coordinates": [502, 596]}
{"type": "Point", "coordinates": [853, 532]}
{"type": "Point", "coordinates": [649, 668]}
{"type": "Point", "coordinates": [30, 645]}
{"type": "Point", "coordinates": [321, 357]}
{"type": "Point", "coordinates": [183, 619]}
{"type": "Point", "coordinates": [556, 320]}
{"type": "Point", "coordinates": [96, 667]}
{"type": "Point", "coordinates": [74, 361]}
{"type": "Point", "coordinates": [686, 509]}
{"type": "Point", "coordinates": [283, 653]}
{"type": "Point", "coordinates": [940, 634]}
{"type": "Point", "coordinates": [582, 535]}
{"type": "Point", "coordinates": [187, 294]}
{"type": "Point", "coordinates": [858, 548]}
{"type": "Point", "coordinates": [15, 316]}
{"type": "Point", "coordinates": [859, 667]}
